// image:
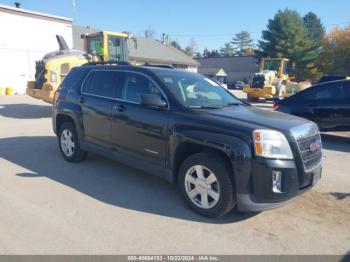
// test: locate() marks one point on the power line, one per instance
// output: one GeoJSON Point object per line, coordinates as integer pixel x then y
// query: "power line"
{"type": "Point", "coordinates": [344, 23]}
{"type": "Point", "coordinates": [231, 34]}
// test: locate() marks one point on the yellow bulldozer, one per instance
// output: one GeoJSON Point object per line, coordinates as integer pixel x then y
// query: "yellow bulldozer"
{"type": "Point", "coordinates": [272, 75]}
{"type": "Point", "coordinates": [52, 69]}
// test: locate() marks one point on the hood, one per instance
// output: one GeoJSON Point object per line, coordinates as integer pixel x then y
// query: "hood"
{"type": "Point", "coordinates": [257, 118]}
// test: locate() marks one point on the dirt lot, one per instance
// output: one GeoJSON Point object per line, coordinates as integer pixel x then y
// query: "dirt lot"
{"type": "Point", "coordinates": [49, 206]}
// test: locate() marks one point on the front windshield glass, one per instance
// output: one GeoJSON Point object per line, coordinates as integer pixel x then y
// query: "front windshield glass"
{"type": "Point", "coordinates": [95, 45]}
{"type": "Point", "coordinates": [197, 91]}
{"type": "Point", "coordinates": [114, 48]}
{"type": "Point", "coordinates": [273, 65]}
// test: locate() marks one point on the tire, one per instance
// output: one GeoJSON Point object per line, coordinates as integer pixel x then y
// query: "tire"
{"type": "Point", "coordinates": [221, 198]}
{"type": "Point", "coordinates": [252, 98]}
{"type": "Point", "coordinates": [69, 144]}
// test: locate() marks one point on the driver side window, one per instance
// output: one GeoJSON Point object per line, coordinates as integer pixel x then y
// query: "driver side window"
{"type": "Point", "coordinates": [135, 85]}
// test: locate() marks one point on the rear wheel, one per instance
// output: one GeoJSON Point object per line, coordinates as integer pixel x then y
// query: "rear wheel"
{"type": "Point", "coordinates": [206, 183]}
{"type": "Point", "coordinates": [69, 144]}
{"type": "Point", "coordinates": [252, 98]}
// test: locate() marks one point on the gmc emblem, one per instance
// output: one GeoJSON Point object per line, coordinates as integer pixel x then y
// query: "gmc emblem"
{"type": "Point", "coordinates": [314, 147]}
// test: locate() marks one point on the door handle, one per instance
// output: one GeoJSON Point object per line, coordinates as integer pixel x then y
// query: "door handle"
{"type": "Point", "coordinates": [81, 99]}
{"type": "Point", "coordinates": [119, 108]}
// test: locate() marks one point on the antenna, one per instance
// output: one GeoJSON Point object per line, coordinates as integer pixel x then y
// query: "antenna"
{"type": "Point", "coordinates": [73, 9]}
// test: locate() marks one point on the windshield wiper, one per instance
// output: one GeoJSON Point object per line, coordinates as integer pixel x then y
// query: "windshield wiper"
{"type": "Point", "coordinates": [205, 107]}
{"type": "Point", "coordinates": [233, 104]}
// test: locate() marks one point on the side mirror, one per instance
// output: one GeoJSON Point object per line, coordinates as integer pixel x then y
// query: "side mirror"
{"type": "Point", "coordinates": [152, 100]}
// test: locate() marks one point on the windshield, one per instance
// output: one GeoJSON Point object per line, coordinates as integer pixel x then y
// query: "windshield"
{"type": "Point", "coordinates": [115, 48]}
{"type": "Point", "coordinates": [95, 46]}
{"type": "Point", "coordinates": [196, 91]}
{"type": "Point", "coordinates": [273, 65]}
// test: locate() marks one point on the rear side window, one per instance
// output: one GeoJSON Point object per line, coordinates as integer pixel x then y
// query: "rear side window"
{"type": "Point", "coordinates": [103, 83]}
{"type": "Point", "coordinates": [135, 85]}
{"type": "Point", "coordinates": [327, 91]}
{"type": "Point", "coordinates": [332, 91]}
{"type": "Point", "coordinates": [71, 79]}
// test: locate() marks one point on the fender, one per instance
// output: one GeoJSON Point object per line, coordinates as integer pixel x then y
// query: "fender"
{"type": "Point", "coordinates": [236, 149]}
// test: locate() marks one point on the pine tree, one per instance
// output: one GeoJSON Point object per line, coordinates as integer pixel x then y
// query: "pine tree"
{"type": "Point", "coordinates": [286, 36]}
{"type": "Point", "coordinates": [206, 53]}
{"type": "Point", "coordinates": [242, 41]}
{"type": "Point", "coordinates": [227, 50]}
{"type": "Point", "coordinates": [191, 49]}
{"type": "Point", "coordinates": [249, 52]}
{"type": "Point", "coordinates": [176, 45]}
{"type": "Point", "coordinates": [314, 27]}
{"type": "Point", "coordinates": [214, 53]}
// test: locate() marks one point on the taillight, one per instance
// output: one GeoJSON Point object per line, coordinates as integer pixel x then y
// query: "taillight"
{"type": "Point", "coordinates": [275, 106]}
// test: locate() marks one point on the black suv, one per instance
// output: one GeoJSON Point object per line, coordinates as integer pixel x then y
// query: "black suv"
{"type": "Point", "coordinates": [189, 130]}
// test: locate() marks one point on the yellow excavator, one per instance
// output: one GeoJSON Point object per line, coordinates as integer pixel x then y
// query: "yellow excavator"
{"type": "Point", "coordinates": [273, 74]}
{"type": "Point", "coordinates": [52, 69]}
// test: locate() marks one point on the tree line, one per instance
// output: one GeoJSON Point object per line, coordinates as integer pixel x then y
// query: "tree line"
{"type": "Point", "coordinates": [312, 51]}
{"type": "Point", "coordinates": [302, 39]}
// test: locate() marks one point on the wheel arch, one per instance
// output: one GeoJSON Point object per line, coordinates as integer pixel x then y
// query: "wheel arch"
{"type": "Point", "coordinates": [234, 154]}
{"type": "Point", "coordinates": [61, 119]}
{"type": "Point", "coordinates": [67, 111]}
{"type": "Point", "coordinates": [188, 148]}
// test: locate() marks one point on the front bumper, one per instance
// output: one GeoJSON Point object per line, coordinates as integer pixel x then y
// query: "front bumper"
{"type": "Point", "coordinates": [265, 92]}
{"type": "Point", "coordinates": [259, 194]}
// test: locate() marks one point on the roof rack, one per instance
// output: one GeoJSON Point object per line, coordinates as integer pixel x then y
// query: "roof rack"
{"type": "Point", "coordinates": [162, 66]}
{"type": "Point", "coordinates": [110, 63]}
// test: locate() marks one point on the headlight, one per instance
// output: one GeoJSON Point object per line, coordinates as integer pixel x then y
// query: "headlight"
{"type": "Point", "coordinates": [271, 144]}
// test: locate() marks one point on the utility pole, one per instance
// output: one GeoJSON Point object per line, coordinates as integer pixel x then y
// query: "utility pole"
{"type": "Point", "coordinates": [73, 9]}
{"type": "Point", "coordinates": [163, 38]}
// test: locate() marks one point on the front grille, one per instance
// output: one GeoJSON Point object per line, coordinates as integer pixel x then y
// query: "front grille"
{"type": "Point", "coordinates": [311, 151]}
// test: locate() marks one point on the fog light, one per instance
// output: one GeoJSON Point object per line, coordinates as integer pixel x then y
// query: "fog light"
{"type": "Point", "coordinates": [276, 181]}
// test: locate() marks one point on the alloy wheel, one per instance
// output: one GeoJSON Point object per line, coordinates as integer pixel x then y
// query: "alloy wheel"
{"type": "Point", "coordinates": [202, 186]}
{"type": "Point", "coordinates": [67, 143]}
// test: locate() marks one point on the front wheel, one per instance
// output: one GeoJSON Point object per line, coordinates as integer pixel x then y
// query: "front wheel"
{"type": "Point", "coordinates": [69, 143]}
{"type": "Point", "coordinates": [206, 183]}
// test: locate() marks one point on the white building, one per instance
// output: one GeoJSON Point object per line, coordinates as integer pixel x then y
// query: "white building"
{"type": "Point", "coordinates": [26, 36]}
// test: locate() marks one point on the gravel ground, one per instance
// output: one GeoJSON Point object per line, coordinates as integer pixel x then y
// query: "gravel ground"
{"type": "Point", "coordinates": [49, 206]}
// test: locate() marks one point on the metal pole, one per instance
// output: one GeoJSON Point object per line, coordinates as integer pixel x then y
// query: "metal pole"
{"type": "Point", "coordinates": [73, 9]}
